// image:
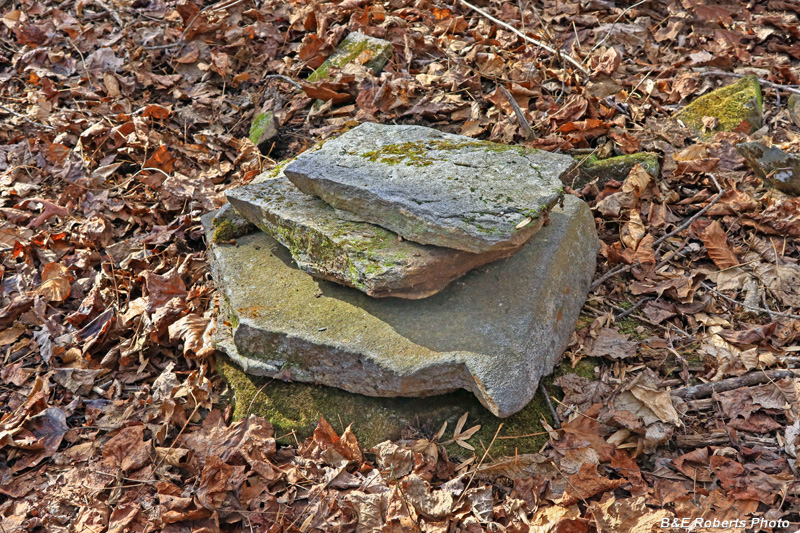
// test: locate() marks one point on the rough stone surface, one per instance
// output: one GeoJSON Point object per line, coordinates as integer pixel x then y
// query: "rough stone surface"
{"type": "Point", "coordinates": [730, 105]}
{"type": "Point", "coordinates": [433, 187]}
{"type": "Point", "coordinates": [228, 224]}
{"type": "Point", "coordinates": [494, 332]}
{"type": "Point", "coordinates": [373, 53]}
{"type": "Point", "coordinates": [793, 106]}
{"type": "Point", "coordinates": [263, 130]}
{"type": "Point", "coordinates": [613, 168]}
{"type": "Point", "coordinates": [356, 254]}
{"type": "Point", "coordinates": [780, 169]}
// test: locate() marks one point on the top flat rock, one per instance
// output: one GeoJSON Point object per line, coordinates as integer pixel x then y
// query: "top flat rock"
{"type": "Point", "coordinates": [435, 188]}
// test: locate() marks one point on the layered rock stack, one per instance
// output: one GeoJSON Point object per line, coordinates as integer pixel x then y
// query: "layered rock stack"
{"type": "Point", "coordinates": [460, 281]}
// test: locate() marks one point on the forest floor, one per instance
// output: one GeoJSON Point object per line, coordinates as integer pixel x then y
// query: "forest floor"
{"type": "Point", "coordinates": [124, 122]}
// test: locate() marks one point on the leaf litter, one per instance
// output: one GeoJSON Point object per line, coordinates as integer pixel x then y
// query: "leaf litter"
{"type": "Point", "coordinates": [123, 124]}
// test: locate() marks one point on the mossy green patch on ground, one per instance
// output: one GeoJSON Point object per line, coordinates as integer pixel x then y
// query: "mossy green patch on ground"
{"type": "Point", "coordinates": [616, 168]}
{"type": "Point", "coordinates": [354, 45]}
{"type": "Point", "coordinates": [730, 105]}
{"type": "Point", "coordinates": [298, 406]}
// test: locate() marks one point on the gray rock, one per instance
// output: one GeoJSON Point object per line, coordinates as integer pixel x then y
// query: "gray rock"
{"type": "Point", "coordinates": [263, 131]}
{"type": "Point", "coordinates": [780, 169]}
{"type": "Point", "coordinates": [613, 168]}
{"type": "Point", "coordinates": [433, 187]}
{"type": "Point", "coordinates": [356, 254]}
{"type": "Point", "coordinates": [730, 106]}
{"type": "Point", "coordinates": [228, 224]}
{"type": "Point", "coordinates": [494, 332]}
{"type": "Point", "coordinates": [373, 52]}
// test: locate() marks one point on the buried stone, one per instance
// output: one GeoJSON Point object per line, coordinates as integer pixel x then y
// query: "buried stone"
{"type": "Point", "coordinates": [495, 332]}
{"type": "Point", "coordinates": [729, 106]}
{"type": "Point", "coordinates": [356, 254]}
{"type": "Point", "coordinates": [778, 168]}
{"type": "Point", "coordinates": [435, 188]}
{"type": "Point", "coordinates": [372, 52]}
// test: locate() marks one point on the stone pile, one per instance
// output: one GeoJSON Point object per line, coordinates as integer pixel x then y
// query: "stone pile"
{"type": "Point", "coordinates": [461, 282]}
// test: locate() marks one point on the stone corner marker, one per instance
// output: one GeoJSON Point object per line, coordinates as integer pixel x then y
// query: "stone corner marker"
{"type": "Point", "coordinates": [373, 52]}
{"type": "Point", "coordinates": [435, 188]}
{"type": "Point", "coordinates": [730, 105]}
{"type": "Point", "coordinates": [356, 254]}
{"type": "Point", "coordinates": [495, 332]}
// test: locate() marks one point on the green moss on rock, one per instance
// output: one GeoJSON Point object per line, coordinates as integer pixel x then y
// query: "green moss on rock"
{"type": "Point", "coordinates": [616, 168]}
{"type": "Point", "coordinates": [730, 105]}
{"type": "Point", "coordinates": [263, 128]}
{"type": "Point", "coordinates": [350, 49]}
{"type": "Point", "coordinates": [228, 224]}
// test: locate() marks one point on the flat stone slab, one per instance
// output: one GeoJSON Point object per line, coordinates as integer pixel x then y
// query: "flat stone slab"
{"type": "Point", "coordinates": [494, 332]}
{"type": "Point", "coordinates": [356, 254]}
{"type": "Point", "coordinates": [433, 187]}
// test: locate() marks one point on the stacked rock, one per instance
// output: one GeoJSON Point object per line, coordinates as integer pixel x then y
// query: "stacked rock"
{"type": "Point", "coordinates": [400, 213]}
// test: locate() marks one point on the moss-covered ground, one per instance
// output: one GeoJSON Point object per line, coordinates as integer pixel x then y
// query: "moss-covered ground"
{"type": "Point", "coordinates": [296, 407]}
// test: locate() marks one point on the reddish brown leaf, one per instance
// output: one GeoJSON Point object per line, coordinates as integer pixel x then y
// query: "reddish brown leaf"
{"type": "Point", "coordinates": [716, 241]}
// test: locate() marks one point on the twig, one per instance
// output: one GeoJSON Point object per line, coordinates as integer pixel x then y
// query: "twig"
{"type": "Point", "coordinates": [556, 419]}
{"type": "Point", "coordinates": [284, 78]}
{"type": "Point", "coordinates": [704, 390]}
{"type": "Point", "coordinates": [540, 44]}
{"type": "Point", "coordinates": [110, 11]}
{"type": "Point", "coordinates": [181, 42]}
{"type": "Point", "coordinates": [604, 39]}
{"type": "Point", "coordinates": [483, 458]}
{"type": "Point", "coordinates": [624, 268]}
{"type": "Point", "coordinates": [523, 122]}
{"type": "Point", "coordinates": [636, 306]}
{"type": "Point", "coordinates": [787, 88]}
{"type": "Point", "coordinates": [45, 126]}
{"type": "Point", "coordinates": [751, 307]}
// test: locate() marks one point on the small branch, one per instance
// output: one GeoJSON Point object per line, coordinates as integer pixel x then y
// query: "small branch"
{"type": "Point", "coordinates": [787, 88]}
{"type": "Point", "coordinates": [604, 39]}
{"type": "Point", "coordinates": [751, 307]}
{"type": "Point", "coordinates": [556, 418]}
{"type": "Point", "coordinates": [636, 306]}
{"type": "Point", "coordinates": [287, 79]}
{"type": "Point", "coordinates": [45, 126]}
{"type": "Point", "coordinates": [526, 127]}
{"type": "Point", "coordinates": [211, 9]}
{"type": "Point", "coordinates": [704, 390]}
{"type": "Point", "coordinates": [695, 216]}
{"type": "Point", "coordinates": [624, 268]}
{"type": "Point", "coordinates": [540, 44]}
{"type": "Point", "coordinates": [110, 11]}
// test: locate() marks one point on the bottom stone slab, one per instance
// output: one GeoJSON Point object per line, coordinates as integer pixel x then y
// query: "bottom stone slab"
{"type": "Point", "coordinates": [494, 332]}
{"type": "Point", "coordinates": [295, 408]}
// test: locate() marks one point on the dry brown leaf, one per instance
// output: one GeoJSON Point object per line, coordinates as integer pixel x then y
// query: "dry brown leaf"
{"type": "Point", "coordinates": [716, 242]}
